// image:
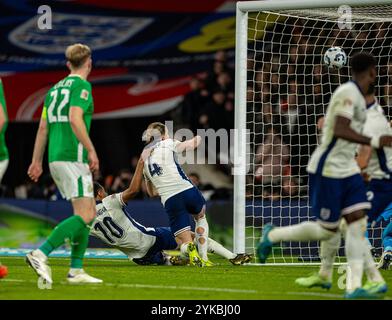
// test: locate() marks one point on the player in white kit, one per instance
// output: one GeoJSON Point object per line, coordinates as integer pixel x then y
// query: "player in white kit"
{"type": "Point", "coordinates": [115, 226]}
{"type": "Point", "coordinates": [336, 188]}
{"type": "Point", "coordinates": [165, 177]}
{"type": "Point", "coordinates": [375, 163]}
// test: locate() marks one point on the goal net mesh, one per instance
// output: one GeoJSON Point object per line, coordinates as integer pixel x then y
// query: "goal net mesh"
{"type": "Point", "coordinates": [288, 90]}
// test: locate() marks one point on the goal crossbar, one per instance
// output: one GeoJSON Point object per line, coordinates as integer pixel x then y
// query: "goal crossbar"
{"type": "Point", "coordinates": [255, 6]}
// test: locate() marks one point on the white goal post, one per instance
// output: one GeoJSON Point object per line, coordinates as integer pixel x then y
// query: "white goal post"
{"type": "Point", "coordinates": [282, 90]}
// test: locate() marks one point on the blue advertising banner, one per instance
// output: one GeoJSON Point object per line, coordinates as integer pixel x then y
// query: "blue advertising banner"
{"type": "Point", "coordinates": [144, 52]}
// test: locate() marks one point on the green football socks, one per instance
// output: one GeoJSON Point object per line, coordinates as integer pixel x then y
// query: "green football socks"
{"type": "Point", "coordinates": [79, 246]}
{"type": "Point", "coordinates": [68, 229]}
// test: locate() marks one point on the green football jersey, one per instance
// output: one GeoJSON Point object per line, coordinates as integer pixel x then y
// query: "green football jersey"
{"type": "Point", "coordinates": [72, 91]}
{"type": "Point", "coordinates": [3, 146]}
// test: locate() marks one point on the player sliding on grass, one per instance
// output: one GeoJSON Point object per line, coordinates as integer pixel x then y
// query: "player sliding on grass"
{"type": "Point", "coordinates": [336, 187]}
{"type": "Point", "coordinates": [115, 226]}
{"type": "Point", "coordinates": [65, 122]}
{"type": "Point", "coordinates": [164, 177]}
{"type": "Point", "coordinates": [375, 164]}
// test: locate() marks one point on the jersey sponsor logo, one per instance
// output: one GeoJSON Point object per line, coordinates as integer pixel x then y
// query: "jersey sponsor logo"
{"type": "Point", "coordinates": [99, 32]}
{"type": "Point", "coordinates": [325, 213]}
{"type": "Point", "coordinates": [84, 94]}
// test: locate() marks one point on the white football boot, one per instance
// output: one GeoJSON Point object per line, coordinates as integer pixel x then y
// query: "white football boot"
{"type": "Point", "coordinates": [80, 276]}
{"type": "Point", "coordinates": [38, 261]}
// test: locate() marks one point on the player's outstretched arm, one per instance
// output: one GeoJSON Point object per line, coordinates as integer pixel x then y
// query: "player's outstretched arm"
{"type": "Point", "coordinates": [189, 145]}
{"type": "Point", "coordinates": [136, 182]}
{"type": "Point", "coordinates": [151, 191]}
{"type": "Point", "coordinates": [35, 169]}
{"type": "Point", "coordinates": [343, 130]}
{"type": "Point", "coordinates": [363, 157]}
{"type": "Point", "coordinates": [79, 128]}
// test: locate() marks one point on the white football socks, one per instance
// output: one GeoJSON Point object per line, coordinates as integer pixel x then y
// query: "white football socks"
{"type": "Point", "coordinates": [184, 250]}
{"type": "Point", "coordinates": [355, 253]}
{"type": "Point", "coordinates": [215, 247]}
{"type": "Point", "coordinates": [328, 250]}
{"type": "Point", "coordinates": [371, 271]}
{"type": "Point", "coordinates": [201, 237]}
{"type": "Point", "coordinates": [305, 231]}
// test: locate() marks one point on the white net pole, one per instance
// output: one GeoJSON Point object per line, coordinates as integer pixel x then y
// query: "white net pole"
{"type": "Point", "coordinates": [239, 170]}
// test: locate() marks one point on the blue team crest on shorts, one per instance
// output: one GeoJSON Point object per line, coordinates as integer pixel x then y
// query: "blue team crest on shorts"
{"type": "Point", "coordinates": [99, 32]}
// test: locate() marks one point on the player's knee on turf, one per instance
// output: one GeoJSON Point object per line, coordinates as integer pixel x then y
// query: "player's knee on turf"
{"type": "Point", "coordinates": [200, 231]}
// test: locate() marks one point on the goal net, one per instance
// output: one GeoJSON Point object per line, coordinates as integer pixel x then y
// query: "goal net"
{"type": "Point", "coordinates": [282, 93]}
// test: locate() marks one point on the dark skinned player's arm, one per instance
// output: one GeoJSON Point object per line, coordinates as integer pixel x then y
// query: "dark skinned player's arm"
{"type": "Point", "coordinates": [343, 131]}
{"type": "Point", "coordinates": [136, 182]}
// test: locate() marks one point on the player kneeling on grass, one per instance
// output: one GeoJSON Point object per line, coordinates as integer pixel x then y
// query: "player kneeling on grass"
{"type": "Point", "coordinates": [115, 226]}
{"type": "Point", "coordinates": [165, 177]}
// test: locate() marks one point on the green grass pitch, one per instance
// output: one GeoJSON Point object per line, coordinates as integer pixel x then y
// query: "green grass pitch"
{"type": "Point", "coordinates": [125, 280]}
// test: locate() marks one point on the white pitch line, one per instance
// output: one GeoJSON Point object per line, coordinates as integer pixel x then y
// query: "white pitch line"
{"type": "Point", "coordinates": [152, 286]}
{"type": "Point", "coordinates": [316, 294]}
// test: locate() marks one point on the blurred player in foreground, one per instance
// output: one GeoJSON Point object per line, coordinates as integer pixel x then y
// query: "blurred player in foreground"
{"type": "Point", "coordinates": [336, 187]}
{"type": "Point", "coordinates": [65, 123]}
{"type": "Point", "coordinates": [375, 163]}
{"type": "Point", "coordinates": [3, 150]}
{"type": "Point", "coordinates": [165, 177]}
{"type": "Point", "coordinates": [115, 226]}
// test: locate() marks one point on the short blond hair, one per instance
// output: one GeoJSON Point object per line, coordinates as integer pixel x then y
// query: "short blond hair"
{"type": "Point", "coordinates": [155, 131]}
{"type": "Point", "coordinates": [77, 54]}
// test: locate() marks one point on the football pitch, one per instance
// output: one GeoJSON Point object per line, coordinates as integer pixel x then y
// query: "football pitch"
{"type": "Point", "coordinates": [125, 280]}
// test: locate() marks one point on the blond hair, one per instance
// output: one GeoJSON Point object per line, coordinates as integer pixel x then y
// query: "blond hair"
{"type": "Point", "coordinates": [154, 131]}
{"type": "Point", "coordinates": [77, 54]}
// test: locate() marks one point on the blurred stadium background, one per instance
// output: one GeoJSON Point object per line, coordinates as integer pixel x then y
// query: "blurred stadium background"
{"type": "Point", "coordinates": [153, 60]}
{"type": "Point", "coordinates": [171, 60]}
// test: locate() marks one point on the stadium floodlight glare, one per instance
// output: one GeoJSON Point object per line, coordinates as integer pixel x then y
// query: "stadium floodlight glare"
{"type": "Point", "coordinates": [282, 91]}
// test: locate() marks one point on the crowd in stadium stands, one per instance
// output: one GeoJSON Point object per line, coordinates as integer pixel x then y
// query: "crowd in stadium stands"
{"type": "Point", "coordinates": [288, 90]}
{"type": "Point", "coordinates": [210, 102]}
{"type": "Point", "coordinates": [46, 188]}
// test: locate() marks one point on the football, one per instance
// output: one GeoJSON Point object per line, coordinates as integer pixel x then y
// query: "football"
{"type": "Point", "coordinates": [335, 57]}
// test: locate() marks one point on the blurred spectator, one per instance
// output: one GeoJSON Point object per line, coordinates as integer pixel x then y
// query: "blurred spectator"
{"type": "Point", "coordinates": [195, 178]}
{"type": "Point", "coordinates": [210, 117]}
{"type": "Point", "coordinates": [29, 190]}
{"type": "Point", "coordinates": [122, 181]}
{"type": "Point", "coordinates": [271, 158]}
{"type": "Point", "coordinates": [193, 102]}
{"type": "Point", "coordinates": [225, 84]}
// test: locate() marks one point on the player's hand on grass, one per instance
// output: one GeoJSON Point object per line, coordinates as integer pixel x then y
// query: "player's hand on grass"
{"type": "Point", "coordinates": [35, 171]}
{"type": "Point", "coordinates": [93, 160]}
{"type": "Point", "coordinates": [385, 141]}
